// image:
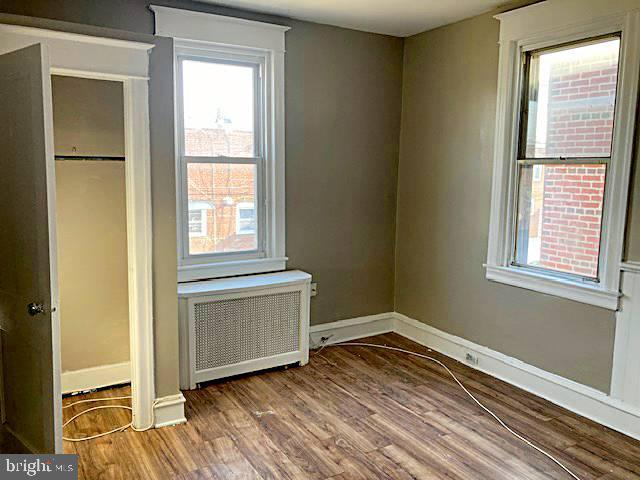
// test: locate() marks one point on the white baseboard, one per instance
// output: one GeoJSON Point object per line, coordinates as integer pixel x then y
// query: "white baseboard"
{"type": "Point", "coordinates": [96, 377]}
{"type": "Point", "coordinates": [578, 398]}
{"type": "Point", "coordinates": [352, 328]}
{"type": "Point", "coordinates": [169, 410]}
{"type": "Point", "coordinates": [573, 396]}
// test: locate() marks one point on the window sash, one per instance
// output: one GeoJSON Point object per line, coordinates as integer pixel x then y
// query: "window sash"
{"type": "Point", "coordinates": [258, 95]}
{"type": "Point", "coordinates": [565, 161]}
{"type": "Point", "coordinates": [260, 205]}
{"type": "Point", "coordinates": [223, 159]}
{"type": "Point", "coordinates": [513, 259]}
{"type": "Point", "coordinates": [525, 88]}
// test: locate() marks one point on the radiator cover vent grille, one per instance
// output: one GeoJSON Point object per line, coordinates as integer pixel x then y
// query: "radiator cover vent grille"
{"type": "Point", "coordinates": [235, 330]}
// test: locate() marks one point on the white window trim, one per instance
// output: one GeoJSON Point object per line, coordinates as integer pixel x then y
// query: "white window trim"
{"type": "Point", "coordinates": [208, 35]}
{"type": "Point", "coordinates": [243, 206]}
{"type": "Point", "coordinates": [203, 223]}
{"type": "Point", "coordinates": [537, 26]}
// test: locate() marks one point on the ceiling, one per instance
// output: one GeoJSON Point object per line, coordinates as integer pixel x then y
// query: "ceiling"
{"type": "Point", "coordinates": [400, 18]}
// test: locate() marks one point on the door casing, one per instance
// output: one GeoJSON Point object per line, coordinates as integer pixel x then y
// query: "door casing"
{"type": "Point", "coordinates": [126, 62]}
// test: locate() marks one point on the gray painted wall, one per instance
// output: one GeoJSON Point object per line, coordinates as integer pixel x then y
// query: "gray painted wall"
{"type": "Point", "coordinates": [446, 161]}
{"type": "Point", "coordinates": [343, 117]}
{"type": "Point", "coordinates": [343, 109]}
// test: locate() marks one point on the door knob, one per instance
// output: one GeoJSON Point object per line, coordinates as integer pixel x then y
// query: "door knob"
{"type": "Point", "coordinates": [35, 309]}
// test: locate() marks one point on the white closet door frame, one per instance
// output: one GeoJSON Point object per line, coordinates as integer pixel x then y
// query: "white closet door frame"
{"type": "Point", "coordinates": [126, 62]}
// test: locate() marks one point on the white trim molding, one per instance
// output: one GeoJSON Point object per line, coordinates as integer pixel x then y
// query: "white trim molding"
{"type": "Point", "coordinates": [139, 248]}
{"type": "Point", "coordinates": [190, 273]}
{"type": "Point", "coordinates": [126, 62]}
{"type": "Point", "coordinates": [206, 37]}
{"type": "Point", "coordinates": [541, 25]}
{"type": "Point", "coordinates": [169, 410]}
{"type": "Point", "coordinates": [573, 396]}
{"type": "Point", "coordinates": [72, 52]}
{"type": "Point", "coordinates": [583, 400]}
{"type": "Point", "coordinates": [96, 377]}
{"type": "Point", "coordinates": [625, 378]}
{"type": "Point", "coordinates": [630, 266]}
{"type": "Point", "coordinates": [531, 280]}
{"type": "Point", "coordinates": [351, 329]}
{"type": "Point", "coordinates": [210, 28]}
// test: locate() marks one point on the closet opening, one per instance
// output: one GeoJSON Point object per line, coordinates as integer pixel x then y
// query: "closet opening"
{"type": "Point", "coordinates": [91, 222]}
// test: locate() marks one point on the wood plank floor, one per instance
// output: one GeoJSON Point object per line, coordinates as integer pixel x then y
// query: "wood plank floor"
{"type": "Point", "coordinates": [355, 413]}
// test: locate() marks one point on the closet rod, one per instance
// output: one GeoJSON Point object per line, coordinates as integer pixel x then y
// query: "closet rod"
{"type": "Point", "coordinates": [88, 158]}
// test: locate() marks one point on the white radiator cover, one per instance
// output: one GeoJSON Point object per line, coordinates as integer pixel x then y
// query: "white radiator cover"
{"type": "Point", "coordinates": [231, 326]}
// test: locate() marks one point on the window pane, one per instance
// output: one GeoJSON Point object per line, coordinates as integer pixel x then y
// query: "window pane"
{"type": "Point", "coordinates": [246, 221]}
{"type": "Point", "coordinates": [559, 217]}
{"type": "Point", "coordinates": [218, 109]}
{"type": "Point", "coordinates": [571, 99]}
{"type": "Point", "coordinates": [197, 223]}
{"type": "Point", "coordinates": [217, 190]}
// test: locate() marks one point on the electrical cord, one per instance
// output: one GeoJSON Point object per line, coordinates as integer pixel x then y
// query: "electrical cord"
{"type": "Point", "coordinates": [96, 400]}
{"type": "Point", "coordinates": [523, 439]}
{"type": "Point", "coordinates": [118, 429]}
{"type": "Point", "coordinates": [323, 343]}
{"type": "Point", "coordinates": [478, 402]}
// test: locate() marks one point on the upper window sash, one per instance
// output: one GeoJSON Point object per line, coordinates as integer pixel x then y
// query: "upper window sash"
{"type": "Point", "coordinates": [238, 59]}
{"type": "Point", "coordinates": [537, 96]}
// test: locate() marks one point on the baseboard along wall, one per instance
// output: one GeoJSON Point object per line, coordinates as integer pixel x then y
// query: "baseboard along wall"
{"type": "Point", "coordinates": [578, 398]}
{"type": "Point", "coordinates": [169, 410]}
{"type": "Point", "coordinates": [96, 377]}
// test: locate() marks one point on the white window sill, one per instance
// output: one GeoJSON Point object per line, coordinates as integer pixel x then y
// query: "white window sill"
{"type": "Point", "coordinates": [190, 273]}
{"type": "Point", "coordinates": [559, 287]}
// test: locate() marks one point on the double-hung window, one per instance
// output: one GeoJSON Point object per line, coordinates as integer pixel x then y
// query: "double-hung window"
{"type": "Point", "coordinates": [229, 76]}
{"type": "Point", "coordinates": [564, 139]}
{"type": "Point", "coordinates": [222, 161]}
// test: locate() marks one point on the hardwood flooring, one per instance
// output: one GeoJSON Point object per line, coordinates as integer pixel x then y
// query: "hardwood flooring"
{"type": "Point", "coordinates": [355, 413]}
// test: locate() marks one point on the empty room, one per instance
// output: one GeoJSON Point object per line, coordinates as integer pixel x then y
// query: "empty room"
{"type": "Point", "coordinates": [310, 239]}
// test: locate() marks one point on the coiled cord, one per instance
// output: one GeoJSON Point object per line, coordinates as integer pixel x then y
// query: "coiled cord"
{"type": "Point", "coordinates": [118, 429]}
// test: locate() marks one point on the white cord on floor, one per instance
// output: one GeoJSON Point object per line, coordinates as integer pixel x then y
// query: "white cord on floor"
{"type": "Point", "coordinates": [119, 429]}
{"type": "Point", "coordinates": [345, 344]}
{"type": "Point", "coordinates": [486, 409]}
{"type": "Point", "coordinates": [96, 400]}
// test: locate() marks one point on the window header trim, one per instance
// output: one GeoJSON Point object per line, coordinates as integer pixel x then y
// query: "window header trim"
{"type": "Point", "coordinates": [219, 29]}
